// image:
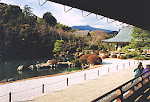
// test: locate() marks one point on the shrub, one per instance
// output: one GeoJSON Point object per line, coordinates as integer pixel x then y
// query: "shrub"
{"type": "Point", "coordinates": [108, 54]}
{"type": "Point", "coordinates": [53, 61]}
{"type": "Point", "coordinates": [113, 56]}
{"type": "Point", "coordinates": [94, 59]}
{"type": "Point", "coordinates": [83, 59]}
{"type": "Point", "coordinates": [105, 56]}
{"type": "Point", "coordinates": [87, 52]}
{"type": "Point", "coordinates": [131, 54]}
{"type": "Point", "coordinates": [102, 51]}
{"type": "Point", "coordinates": [77, 53]}
{"type": "Point", "coordinates": [122, 57]}
{"type": "Point", "coordinates": [141, 58]}
{"type": "Point", "coordinates": [76, 61]}
{"type": "Point", "coordinates": [96, 53]}
{"type": "Point", "coordinates": [78, 49]}
{"type": "Point", "coordinates": [125, 49]}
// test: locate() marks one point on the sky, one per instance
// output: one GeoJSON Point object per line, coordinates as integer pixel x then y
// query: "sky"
{"type": "Point", "coordinates": [72, 18]}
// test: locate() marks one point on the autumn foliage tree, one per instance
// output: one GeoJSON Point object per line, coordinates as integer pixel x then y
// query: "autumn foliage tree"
{"type": "Point", "coordinates": [97, 36]}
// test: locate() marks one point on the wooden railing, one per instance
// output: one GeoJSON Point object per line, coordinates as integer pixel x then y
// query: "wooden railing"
{"type": "Point", "coordinates": [129, 91]}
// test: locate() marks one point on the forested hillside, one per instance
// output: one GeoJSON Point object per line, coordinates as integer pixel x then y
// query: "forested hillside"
{"type": "Point", "coordinates": [24, 35]}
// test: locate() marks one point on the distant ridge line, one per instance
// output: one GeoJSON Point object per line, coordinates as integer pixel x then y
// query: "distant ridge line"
{"type": "Point", "coordinates": [87, 27]}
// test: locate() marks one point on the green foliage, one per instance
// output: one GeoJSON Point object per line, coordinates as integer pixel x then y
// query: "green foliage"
{"type": "Point", "coordinates": [125, 49]}
{"type": "Point", "coordinates": [50, 19]}
{"type": "Point", "coordinates": [29, 17]}
{"type": "Point", "coordinates": [141, 58]}
{"type": "Point", "coordinates": [9, 15]}
{"type": "Point", "coordinates": [104, 46]}
{"type": "Point", "coordinates": [94, 47]}
{"type": "Point", "coordinates": [58, 46]}
{"type": "Point", "coordinates": [108, 36]}
{"type": "Point", "coordinates": [141, 39]}
{"type": "Point", "coordinates": [24, 35]}
{"type": "Point", "coordinates": [76, 61]}
{"type": "Point", "coordinates": [63, 27]}
{"type": "Point", "coordinates": [78, 49]}
{"type": "Point", "coordinates": [132, 54]}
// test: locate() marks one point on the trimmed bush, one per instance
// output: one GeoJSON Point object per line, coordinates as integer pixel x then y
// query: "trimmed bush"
{"type": "Point", "coordinates": [96, 53]}
{"type": "Point", "coordinates": [102, 51]}
{"type": "Point", "coordinates": [83, 59]}
{"type": "Point", "coordinates": [94, 59]}
{"type": "Point", "coordinates": [105, 56]}
{"type": "Point", "coordinates": [113, 56]}
{"type": "Point", "coordinates": [108, 54]}
{"type": "Point", "coordinates": [53, 61]}
{"type": "Point", "coordinates": [122, 57]}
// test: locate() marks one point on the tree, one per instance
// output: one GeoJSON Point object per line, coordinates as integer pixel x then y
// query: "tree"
{"type": "Point", "coordinates": [27, 11]}
{"type": "Point", "coordinates": [30, 18]}
{"type": "Point", "coordinates": [96, 37]}
{"type": "Point", "coordinates": [58, 46]}
{"type": "Point", "coordinates": [50, 19]}
{"type": "Point", "coordinates": [140, 40]}
{"type": "Point", "coordinates": [9, 14]}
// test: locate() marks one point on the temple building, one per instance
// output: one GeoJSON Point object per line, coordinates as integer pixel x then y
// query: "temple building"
{"type": "Point", "coordinates": [82, 33]}
{"type": "Point", "coordinates": [122, 38]}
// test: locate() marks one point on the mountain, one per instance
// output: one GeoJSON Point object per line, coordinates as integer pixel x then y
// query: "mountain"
{"type": "Point", "coordinates": [87, 27]}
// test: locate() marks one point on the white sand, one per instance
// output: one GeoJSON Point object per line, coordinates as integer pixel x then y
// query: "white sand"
{"type": "Point", "coordinates": [79, 89]}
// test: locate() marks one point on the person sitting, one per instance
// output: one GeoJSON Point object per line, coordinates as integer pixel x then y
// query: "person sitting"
{"type": "Point", "coordinates": [146, 69]}
{"type": "Point", "coordinates": [138, 70]}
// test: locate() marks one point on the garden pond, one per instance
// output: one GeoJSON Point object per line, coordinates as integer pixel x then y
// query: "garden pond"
{"type": "Point", "coordinates": [8, 70]}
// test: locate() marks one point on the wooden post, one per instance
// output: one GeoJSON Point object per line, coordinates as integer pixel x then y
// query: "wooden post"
{"type": "Point", "coordinates": [129, 63]}
{"type": "Point", "coordinates": [98, 72]}
{"type": "Point", "coordinates": [84, 76]}
{"type": "Point", "coordinates": [117, 67]}
{"type": "Point", "coordinates": [67, 81]}
{"type": "Point", "coordinates": [10, 97]}
{"type": "Point", "coordinates": [43, 88]}
{"type": "Point", "coordinates": [134, 62]}
{"type": "Point", "coordinates": [118, 93]}
{"type": "Point", "coordinates": [108, 69]}
{"type": "Point", "coordinates": [123, 65]}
